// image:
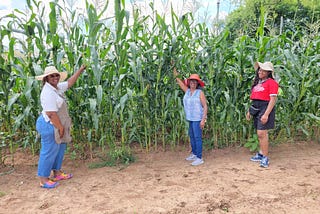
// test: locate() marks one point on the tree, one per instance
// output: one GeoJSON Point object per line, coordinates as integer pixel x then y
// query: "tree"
{"type": "Point", "coordinates": [279, 15]}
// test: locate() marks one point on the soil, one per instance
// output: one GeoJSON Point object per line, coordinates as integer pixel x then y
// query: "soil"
{"type": "Point", "coordinates": [163, 182]}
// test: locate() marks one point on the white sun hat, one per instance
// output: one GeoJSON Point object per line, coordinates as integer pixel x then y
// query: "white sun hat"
{"type": "Point", "coordinates": [267, 66]}
{"type": "Point", "coordinates": [52, 70]}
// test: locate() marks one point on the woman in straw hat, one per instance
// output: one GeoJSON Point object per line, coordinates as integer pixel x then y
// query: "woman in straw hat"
{"type": "Point", "coordinates": [264, 93]}
{"type": "Point", "coordinates": [195, 107]}
{"type": "Point", "coordinates": [54, 124]}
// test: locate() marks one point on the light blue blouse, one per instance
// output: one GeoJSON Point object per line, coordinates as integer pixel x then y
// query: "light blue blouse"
{"type": "Point", "coordinates": [192, 105]}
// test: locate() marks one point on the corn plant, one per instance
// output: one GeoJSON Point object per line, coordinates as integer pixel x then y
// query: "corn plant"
{"type": "Point", "coordinates": [128, 93]}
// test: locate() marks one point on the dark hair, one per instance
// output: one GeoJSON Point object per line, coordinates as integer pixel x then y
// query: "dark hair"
{"type": "Point", "coordinates": [44, 80]}
{"type": "Point", "coordinates": [256, 78]}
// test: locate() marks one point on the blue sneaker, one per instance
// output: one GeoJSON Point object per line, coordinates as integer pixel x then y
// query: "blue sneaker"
{"type": "Point", "coordinates": [257, 157]}
{"type": "Point", "coordinates": [264, 162]}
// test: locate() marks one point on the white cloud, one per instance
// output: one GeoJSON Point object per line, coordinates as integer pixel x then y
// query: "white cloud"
{"type": "Point", "coordinates": [5, 4]}
{"type": "Point", "coordinates": [163, 7]}
{"type": "Point", "coordinates": [206, 12]}
{"type": "Point", "coordinates": [5, 8]}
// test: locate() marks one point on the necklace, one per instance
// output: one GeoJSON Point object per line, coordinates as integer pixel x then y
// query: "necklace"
{"type": "Point", "coordinates": [262, 81]}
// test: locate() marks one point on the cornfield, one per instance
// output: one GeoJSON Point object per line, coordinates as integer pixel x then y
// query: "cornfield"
{"type": "Point", "coordinates": [128, 93]}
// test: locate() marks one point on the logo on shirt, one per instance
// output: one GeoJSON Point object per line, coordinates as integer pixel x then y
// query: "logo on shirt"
{"type": "Point", "coordinates": [258, 88]}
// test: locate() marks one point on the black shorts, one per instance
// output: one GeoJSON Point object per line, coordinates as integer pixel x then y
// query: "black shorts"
{"type": "Point", "coordinates": [262, 105]}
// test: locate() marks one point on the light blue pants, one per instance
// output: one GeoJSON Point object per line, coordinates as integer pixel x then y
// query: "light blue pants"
{"type": "Point", "coordinates": [195, 134]}
{"type": "Point", "coordinates": [51, 153]}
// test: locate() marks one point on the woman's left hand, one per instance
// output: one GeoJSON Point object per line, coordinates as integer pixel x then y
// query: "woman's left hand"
{"type": "Point", "coordinates": [83, 67]}
{"type": "Point", "coordinates": [202, 123]}
{"type": "Point", "coordinates": [264, 119]}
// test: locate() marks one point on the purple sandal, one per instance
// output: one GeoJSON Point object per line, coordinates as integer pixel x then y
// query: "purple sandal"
{"type": "Point", "coordinates": [49, 184]}
{"type": "Point", "coordinates": [62, 176]}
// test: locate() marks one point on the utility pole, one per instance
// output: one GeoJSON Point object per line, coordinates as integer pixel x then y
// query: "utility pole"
{"type": "Point", "coordinates": [217, 17]}
{"type": "Point", "coordinates": [218, 7]}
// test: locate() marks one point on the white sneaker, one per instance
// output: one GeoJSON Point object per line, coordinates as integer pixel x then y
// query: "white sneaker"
{"type": "Point", "coordinates": [197, 162]}
{"type": "Point", "coordinates": [191, 157]}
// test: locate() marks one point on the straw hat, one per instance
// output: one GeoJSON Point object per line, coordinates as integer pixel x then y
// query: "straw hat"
{"type": "Point", "coordinates": [267, 66]}
{"type": "Point", "coordinates": [52, 70]}
{"type": "Point", "coordinates": [195, 77]}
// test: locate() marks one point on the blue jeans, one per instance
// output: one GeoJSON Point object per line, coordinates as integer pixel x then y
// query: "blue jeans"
{"type": "Point", "coordinates": [51, 153]}
{"type": "Point", "coordinates": [195, 134]}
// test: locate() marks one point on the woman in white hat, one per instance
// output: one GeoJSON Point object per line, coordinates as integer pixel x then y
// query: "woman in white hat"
{"type": "Point", "coordinates": [264, 93]}
{"type": "Point", "coordinates": [54, 124]}
{"type": "Point", "coordinates": [195, 107]}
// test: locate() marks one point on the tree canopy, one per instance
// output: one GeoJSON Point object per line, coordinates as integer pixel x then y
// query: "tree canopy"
{"type": "Point", "coordinates": [279, 16]}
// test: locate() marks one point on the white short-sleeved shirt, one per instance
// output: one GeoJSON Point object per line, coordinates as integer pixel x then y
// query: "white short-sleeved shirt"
{"type": "Point", "coordinates": [51, 98]}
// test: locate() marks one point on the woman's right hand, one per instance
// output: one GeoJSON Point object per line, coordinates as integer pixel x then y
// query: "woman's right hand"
{"type": "Point", "coordinates": [55, 120]}
{"type": "Point", "coordinates": [61, 131]}
{"type": "Point", "coordinates": [248, 116]}
{"type": "Point", "coordinates": [175, 72]}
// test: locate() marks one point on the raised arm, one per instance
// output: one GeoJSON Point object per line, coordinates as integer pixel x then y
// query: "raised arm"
{"type": "Point", "coordinates": [179, 81]}
{"type": "Point", "coordinates": [75, 76]}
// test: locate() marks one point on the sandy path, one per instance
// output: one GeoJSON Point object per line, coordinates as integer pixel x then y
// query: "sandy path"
{"type": "Point", "coordinates": [163, 182]}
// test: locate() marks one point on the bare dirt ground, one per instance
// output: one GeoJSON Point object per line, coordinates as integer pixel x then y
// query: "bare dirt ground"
{"type": "Point", "coordinates": [163, 182]}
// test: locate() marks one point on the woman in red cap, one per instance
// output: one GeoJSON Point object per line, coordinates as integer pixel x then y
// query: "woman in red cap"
{"type": "Point", "coordinates": [195, 107]}
{"type": "Point", "coordinates": [264, 93]}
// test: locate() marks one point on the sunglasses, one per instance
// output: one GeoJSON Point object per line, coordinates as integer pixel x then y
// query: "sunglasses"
{"type": "Point", "coordinates": [54, 75]}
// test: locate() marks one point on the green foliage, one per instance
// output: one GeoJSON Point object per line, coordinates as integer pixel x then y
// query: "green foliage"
{"type": "Point", "coordinates": [114, 157]}
{"type": "Point", "coordinates": [281, 15]}
{"type": "Point", "coordinates": [2, 194]}
{"type": "Point", "coordinates": [252, 143]}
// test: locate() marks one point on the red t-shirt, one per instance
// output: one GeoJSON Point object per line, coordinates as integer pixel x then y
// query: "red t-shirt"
{"type": "Point", "coordinates": [263, 91]}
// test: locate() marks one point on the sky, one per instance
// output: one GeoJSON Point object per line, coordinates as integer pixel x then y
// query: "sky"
{"type": "Point", "coordinates": [207, 7]}
{"type": "Point", "coordinates": [206, 12]}
{"type": "Point", "coordinates": [6, 6]}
